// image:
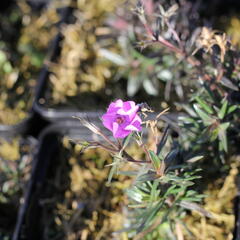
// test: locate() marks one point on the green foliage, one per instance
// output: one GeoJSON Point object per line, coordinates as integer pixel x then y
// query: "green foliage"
{"type": "Point", "coordinates": [163, 201]}
{"type": "Point", "coordinates": [162, 189]}
{"type": "Point", "coordinates": [209, 122]}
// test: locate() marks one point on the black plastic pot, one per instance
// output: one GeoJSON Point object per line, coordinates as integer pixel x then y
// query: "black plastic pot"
{"type": "Point", "coordinates": [20, 128]}
{"type": "Point", "coordinates": [12, 206]}
{"type": "Point", "coordinates": [54, 114]}
{"type": "Point", "coordinates": [28, 125]}
{"type": "Point", "coordinates": [57, 114]}
{"type": "Point", "coordinates": [46, 159]}
{"type": "Point", "coordinates": [29, 212]}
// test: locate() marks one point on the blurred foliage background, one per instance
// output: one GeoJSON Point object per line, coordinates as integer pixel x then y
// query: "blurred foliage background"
{"type": "Point", "coordinates": [24, 38]}
{"type": "Point", "coordinates": [104, 55]}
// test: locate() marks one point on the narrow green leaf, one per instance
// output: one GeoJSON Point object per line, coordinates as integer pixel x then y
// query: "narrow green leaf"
{"type": "Point", "coordinates": [204, 105]}
{"type": "Point", "coordinates": [172, 190]}
{"type": "Point", "coordinates": [205, 118]}
{"type": "Point", "coordinates": [231, 109]}
{"type": "Point", "coordinates": [223, 110]}
{"type": "Point", "coordinates": [171, 156]}
{"type": "Point", "coordinates": [134, 83]}
{"type": "Point", "coordinates": [194, 159]}
{"type": "Point", "coordinates": [111, 173]}
{"type": "Point", "coordinates": [214, 134]}
{"type": "Point", "coordinates": [113, 57]}
{"type": "Point", "coordinates": [147, 177]}
{"type": "Point", "coordinates": [114, 169]}
{"type": "Point", "coordinates": [155, 159]}
{"type": "Point", "coordinates": [225, 125]}
{"type": "Point", "coordinates": [149, 217]}
{"type": "Point", "coordinates": [150, 88]}
{"type": "Point", "coordinates": [163, 141]}
{"type": "Point", "coordinates": [154, 192]}
{"type": "Point", "coordinates": [126, 141]}
{"type": "Point", "coordinates": [134, 195]}
{"type": "Point", "coordinates": [222, 135]}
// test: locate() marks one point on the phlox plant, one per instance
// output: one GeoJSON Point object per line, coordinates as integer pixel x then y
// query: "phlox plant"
{"type": "Point", "coordinates": [211, 108]}
{"type": "Point", "coordinates": [161, 192]}
{"type": "Point", "coordinates": [163, 187]}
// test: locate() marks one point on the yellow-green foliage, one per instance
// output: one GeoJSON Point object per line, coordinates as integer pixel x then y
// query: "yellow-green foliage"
{"type": "Point", "coordinates": [81, 67]}
{"type": "Point", "coordinates": [219, 201]}
{"type": "Point", "coordinates": [20, 64]}
{"type": "Point", "coordinates": [233, 30]}
{"type": "Point", "coordinates": [9, 150]}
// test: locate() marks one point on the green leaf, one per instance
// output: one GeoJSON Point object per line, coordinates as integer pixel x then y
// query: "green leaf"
{"type": "Point", "coordinates": [165, 75]}
{"type": "Point", "coordinates": [228, 83]}
{"type": "Point", "coordinates": [7, 67]}
{"type": "Point", "coordinates": [151, 214]}
{"type": "Point", "coordinates": [231, 109]}
{"type": "Point", "coordinates": [133, 85]}
{"type": "Point", "coordinates": [205, 118]}
{"type": "Point", "coordinates": [114, 169]}
{"type": "Point", "coordinates": [154, 192]}
{"type": "Point", "coordinates": [185, 182]}
{"type": "Point", "coordinates": [113, 57]}
{"type": "Point", "coordinates": [111, 173]}
{"type": "Point", "coordinates": [223, 110]}
{"type": "Point", "coordinates": [156, 160]}
{"type": "Point", "coordinates": [134, 195]}
{"type": "Point", "coordinates": [150, 88]}
{"type": "Point", "coordinates": [194, 159]}
{"type": "Point", "coordinates": [172, 190]}
{"type": "Point", "coordinates": [126, 141]}
{"type": "Point", "coordinates": [222, 135]}
{"type": "Point", "coordinates": [163, 141]}
{"type": "Point", "coordinates": [204, 105]}
{"type": "Point", "coordinates": [147, 177]}
{"type": "Point", "coordinates": [3, 57]}
{"type": "Point", "coordinates": [145, 61]}
{"type": "Point", "coordinates": [224, 126]}
{"type": "Point", "coordinates": [171, 156]}
{"type": "Point", "coordinates": [214, 134]}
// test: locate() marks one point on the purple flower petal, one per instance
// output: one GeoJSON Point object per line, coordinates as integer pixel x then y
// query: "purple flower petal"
{"type": "Point", "coordinates": [121, 118]}
{"type": "Point", "coordinates": [107, 120]}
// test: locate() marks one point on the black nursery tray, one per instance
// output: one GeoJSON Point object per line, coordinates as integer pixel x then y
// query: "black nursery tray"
{"type": "Point", "coordinates": [67, 113]}
{"type": "Point", "coordinates": [26, 125]}
{"type": "Point", "coordinates": [16, 155]}
{"type": "Point", "coordinates": [29, 213]}
{"type": "Point", "coordinates": [48, 158]}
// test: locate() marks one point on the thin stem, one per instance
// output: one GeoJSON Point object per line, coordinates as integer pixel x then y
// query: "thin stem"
{"type": "Point", "coordinates": [120, 145]}
{"type": "Point", "coordinates": [174, 34]}
{"type": "Point", "coordinates": [177, 50]}
{"type": "Point", "coordinates": [146, 152]}
{"type": "Point", "coordinates": [108, 148]}
{"type": "Point", "coordinates": [161, 40]}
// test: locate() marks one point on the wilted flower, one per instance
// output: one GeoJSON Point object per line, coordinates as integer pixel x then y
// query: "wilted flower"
{"type": "Point", "coordinates": [121, 118]}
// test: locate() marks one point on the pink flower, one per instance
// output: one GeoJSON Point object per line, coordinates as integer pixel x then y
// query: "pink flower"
{"type": "Point", "coordinates": [121, 118]}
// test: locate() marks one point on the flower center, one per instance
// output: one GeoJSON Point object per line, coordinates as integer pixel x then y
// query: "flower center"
{"type": "Point", "coordinates": [120, 119]}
